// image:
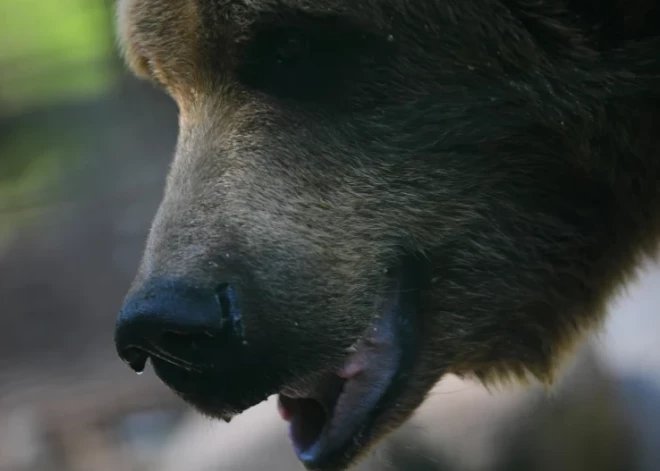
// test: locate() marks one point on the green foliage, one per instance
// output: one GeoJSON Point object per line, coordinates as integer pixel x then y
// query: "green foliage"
{"type": "Point", "coordinates": [52, 53]}
{"type": "Point", "coordinates": [52, 50]}
{"type": "Point", "coordinates": [31, 170]}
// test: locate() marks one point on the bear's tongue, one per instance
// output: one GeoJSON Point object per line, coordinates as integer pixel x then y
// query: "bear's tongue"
{"type": "Point", "coordinates": [324, 418]}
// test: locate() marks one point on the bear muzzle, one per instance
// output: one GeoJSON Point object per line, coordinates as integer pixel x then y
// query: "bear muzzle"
{"type": "Point", "coordinates": [194, 338]}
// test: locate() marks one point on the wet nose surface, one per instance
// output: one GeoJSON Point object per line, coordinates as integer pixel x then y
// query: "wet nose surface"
{"type": "Point", "coordinates": [178, 323]}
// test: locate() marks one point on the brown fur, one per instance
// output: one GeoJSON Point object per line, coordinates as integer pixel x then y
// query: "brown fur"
{"type": "Point", "coordinates": [512, 144]}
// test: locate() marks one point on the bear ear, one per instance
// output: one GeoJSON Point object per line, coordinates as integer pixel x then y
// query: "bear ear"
{"type": "Point", "coordinates": [126, 39]}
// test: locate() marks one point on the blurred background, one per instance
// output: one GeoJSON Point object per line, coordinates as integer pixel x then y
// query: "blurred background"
{"type": "Point", "coordinates": [84, 149]}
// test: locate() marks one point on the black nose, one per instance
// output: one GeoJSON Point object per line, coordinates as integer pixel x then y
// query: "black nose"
{"type": "Point", "coordinates": [181, 324]}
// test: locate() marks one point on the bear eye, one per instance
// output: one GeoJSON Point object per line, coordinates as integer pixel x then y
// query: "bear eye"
{"type": "Point", "coordinates": [291, 63]}
{"type": "Point", "coordinates": [316, 61]}
{"type": "Point", "coordinates": [292, 50]}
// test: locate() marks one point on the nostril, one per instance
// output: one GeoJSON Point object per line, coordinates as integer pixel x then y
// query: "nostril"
{"type": "Point", "coordinates": [222, 296]}
{"type": "Point", "coordinates": [227, 299]}
{"type": "Point", "coordinates": [136, 358]}
{"type": "Point", "coordinates": [189, 326]}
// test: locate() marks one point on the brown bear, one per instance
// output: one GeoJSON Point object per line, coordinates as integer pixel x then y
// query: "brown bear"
{"type": "Point", "coordinates": [370, 194]}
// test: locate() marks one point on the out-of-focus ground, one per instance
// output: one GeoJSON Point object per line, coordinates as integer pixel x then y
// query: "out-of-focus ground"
{"type": "Point", "coordinates": [83, 154]}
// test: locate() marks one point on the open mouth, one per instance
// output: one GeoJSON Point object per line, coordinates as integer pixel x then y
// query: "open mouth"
{"type": "Point", "coordinates": [332, 417]}
{"type": "Point", "coordinates": [330, 421]}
